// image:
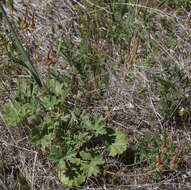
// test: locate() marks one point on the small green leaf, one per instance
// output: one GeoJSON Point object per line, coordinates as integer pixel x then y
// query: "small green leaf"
{"type": "Point", "coordinates": [64, 117]}
{"type": "Point", "coordinates": [59, 153]}
{"type": "Point", "coordinates": [120, 144]}
{"type": "Point", "coordinates": [72, 178]}
{"type": "Point", "coordinates": [46, 140]}
{"type": "Point", "coordinates": [97, 126]}
{"type": "Point", "coordinates": [90, 167]}
{"type": "Point", "coordinates": [26, 93]}
{"type": "Point", "coordinates": [56, 154]}
{"type": "Point", "coordinates": [14, 114]}
{"type": "Point", "coordinates": [50, 102]}
{"type": "Point", "coordinates": [62, 163]}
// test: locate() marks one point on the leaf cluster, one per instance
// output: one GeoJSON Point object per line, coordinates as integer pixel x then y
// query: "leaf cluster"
{"type": "Point", "coordinates": [68, 133]}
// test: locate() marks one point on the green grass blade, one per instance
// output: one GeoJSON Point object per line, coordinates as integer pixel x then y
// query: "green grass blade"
{"type": "Point", "coordinates": [4, 61]}
{"type": "Point", "coordinates": [20, 48]}
{"type": "Point", "coordinates": [124, 8]}
{"type": "Point", "coordinates": [132, 17]}
{"type": "Point", "coordinates": [18, 61]}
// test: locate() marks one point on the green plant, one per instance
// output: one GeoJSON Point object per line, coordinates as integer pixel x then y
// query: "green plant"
{"type": "Point", "coordinates": [175, 101]}
{"type": "Point", "coordinates": [108, 41]}
{"type": "Point", "coordinates": [149, 147]}
{"type": "Point", "coordinates": [15, 40]}
{"type": "Point", "coordinates": [157, 154]}
{"type": "Point", "coordinates": [74, 138]}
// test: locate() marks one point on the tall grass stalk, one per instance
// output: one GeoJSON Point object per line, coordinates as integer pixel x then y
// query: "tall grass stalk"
{"type": "Point", "coordinates": [27, 62]}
